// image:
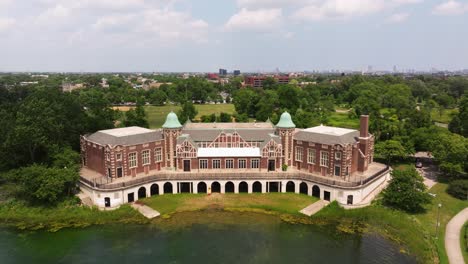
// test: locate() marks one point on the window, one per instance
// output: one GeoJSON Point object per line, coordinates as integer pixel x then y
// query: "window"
{"type": "Point", "coordinates": [216, 164]}
{"type": "Point", "coordinates": [229, 164]}
{"type": "Point", "coordinates": [311, 156]}
{"type": "Point", "coordinates": [337, 170]}
{"type": "Point", "coordinates": [299, 153]}
{"type": "Point", "coordinates": [338, 155]}
{"type": "Point", "coordinates": [108, 156]}
{"type": "Point", "coordinates": [158, 154]}
{"type": "Point", "coordinates": [271, 151]}
{"type": "Point", "coordinates": [145, 156]}
{"type": "Point", "coordinates": [324, 158]}
{"type": "Point", "coordinates": [242, 164]}
{"type": "Point", "coordinates": [204, 164]}
{"type": "Point", "coordinates": [118, 157]}
{"type": "Point", "coordinates": [255, 164]}
{"type": "Point", "coordinates": [132, 160]}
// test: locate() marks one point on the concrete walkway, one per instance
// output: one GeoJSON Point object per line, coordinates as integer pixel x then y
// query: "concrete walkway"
{"type": "Point", "coordinates": [452, 237]}
{"type": "Point", "coordinates": [146, 211]}
{"type": "Point", "coordinates": [314, 208]}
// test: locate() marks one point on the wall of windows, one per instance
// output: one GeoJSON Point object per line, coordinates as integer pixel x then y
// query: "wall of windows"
{"type": "Point", "coordinates": [229, 164]}
{"type": "Point", "coordinates": [158, 155]}
{"type": "Point", "coordinates": [242, 164]}
{"type": "Point", "coordinates": [311, 156]}
{"type": "Point", "coordinates": [324, 158]}
{"type": "Point", "coordinates": [217, 164]}
{"type": "Point", "coordinates": [203, 164]}
{"type": "Point", "coordinates": [299, 153]}
{"type": "Point", "coordinates": [255, 164]}
{"type": "Point", "coordinates": [145, 157]}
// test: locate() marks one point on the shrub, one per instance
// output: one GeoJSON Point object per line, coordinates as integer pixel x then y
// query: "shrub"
{"type": "Point", "coordinates": [458, 189]}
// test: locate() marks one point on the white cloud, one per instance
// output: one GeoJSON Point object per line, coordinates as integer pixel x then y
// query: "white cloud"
{"type": "Point", "coordinates": [450, 8]}
{"type": "Point", "coordinates": [344, 9]}
{"type": "Point", "coordinates": [398, 18]}
{"type": "Point", "coordinates": [6, 23]}
{"type": "Point", "coordinates": [259, 20]}
{"type": "Point", "coordinates": [259, 4]}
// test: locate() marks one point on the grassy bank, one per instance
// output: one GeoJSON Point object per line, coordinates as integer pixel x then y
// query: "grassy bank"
{"type": "Point", "coordinates": [450, 207]}
{"type": "Point", "coordinates": [26, 217]}
{"type": "Point", "coordinates": [288, 203]}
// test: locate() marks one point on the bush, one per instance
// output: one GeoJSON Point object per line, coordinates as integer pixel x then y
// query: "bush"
{"type": "Point", "coordinates": [458, 189]}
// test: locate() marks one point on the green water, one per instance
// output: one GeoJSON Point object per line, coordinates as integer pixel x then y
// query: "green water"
{"type": "Point", "coordinates": [243, 239]}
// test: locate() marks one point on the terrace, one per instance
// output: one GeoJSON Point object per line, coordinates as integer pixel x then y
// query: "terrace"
{"type": "Point", "coordinates": [355, 180]}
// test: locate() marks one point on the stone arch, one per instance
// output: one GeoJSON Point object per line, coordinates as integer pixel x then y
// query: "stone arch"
{"type": "Point", "coordinates": [303, 188]}
{"type": "Point", "coordinates": [168, 187]}
{"type": "Point", "coordinates": [215, 187]}
{"type": "Point", "coordinates": [257, 187]}
{"type": "Point", "coordinates": [243, 187]}
{"type": "Point", "coordinates": [316, 191]}
{"type": "Point", "coordinates": [290, 186]}
{"type": "Point", "coordinates": [154, 189]}
{"type": "Point", "coordinates": [229, 187]}
{"type": "Point", "coordinates": [141, 193]}
{"type": "Point", "coordinates": [201, 186]}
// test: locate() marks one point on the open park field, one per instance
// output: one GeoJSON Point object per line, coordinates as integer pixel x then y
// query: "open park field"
{"type": "Point", "coordinates": [157, 114]}
{"type": "Point", "coordinates": [280, 202]}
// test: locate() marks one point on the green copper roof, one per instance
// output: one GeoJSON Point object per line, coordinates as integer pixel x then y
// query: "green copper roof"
{"type": "Point", "coordinates": [172, 121]}
{"type": "Point", "coordinates": [285, 121]}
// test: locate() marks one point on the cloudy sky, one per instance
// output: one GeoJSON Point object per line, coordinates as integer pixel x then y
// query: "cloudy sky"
{"type": "Point", "coordinates": [250, 35]}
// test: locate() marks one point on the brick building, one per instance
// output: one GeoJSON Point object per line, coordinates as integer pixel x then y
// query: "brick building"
{"type": "Point", "coordinates": [133, 151]}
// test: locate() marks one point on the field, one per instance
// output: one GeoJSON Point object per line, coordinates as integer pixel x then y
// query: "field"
{"type": "Point", "coordinates": [157, 114]}
{"type": "Point", "coordinates": [443, 117]}
{"type": "Point", "coordinates": [342, 120]}
{"type": "Point", "coordinates": [280, 202]}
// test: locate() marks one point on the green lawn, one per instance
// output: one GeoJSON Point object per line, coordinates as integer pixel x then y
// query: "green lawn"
{"type": "Point", "coordinates": [279, 202]}
{"type": "Point", "coordinates": [443, 117]}
{"type": "Point", "coordinates": [342, 120]}
{"type": "Point", "coordinates": [450, 207]}
{"type": "Point", "coordinates": [157, 114]}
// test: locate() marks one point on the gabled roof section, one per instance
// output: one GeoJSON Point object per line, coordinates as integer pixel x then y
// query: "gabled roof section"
{"type": "Point", "coordinates": [125, 136]}
{"type": "Point", "coordinates": [328, 135]}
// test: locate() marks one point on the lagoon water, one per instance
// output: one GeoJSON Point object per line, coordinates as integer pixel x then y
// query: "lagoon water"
{"type": "Point", "coordinates": [243, 239]}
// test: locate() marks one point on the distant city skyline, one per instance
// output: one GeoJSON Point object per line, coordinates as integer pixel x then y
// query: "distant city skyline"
{"type": "Point", "coordinates": [245, 35]}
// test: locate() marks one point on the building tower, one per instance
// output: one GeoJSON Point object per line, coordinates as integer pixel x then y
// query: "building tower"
{"type": "Point", "coordinates": [171, 130]}
{"type": "Point", "coordinates": [285, 128]}
{"type": "Point", "coordinates": [365, 144]}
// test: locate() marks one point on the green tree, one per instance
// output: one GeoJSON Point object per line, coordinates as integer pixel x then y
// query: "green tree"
{"type": "Point", "coordinates": [157, 97]}
{"type": "Point", "coordinates": [136, 117]}
{"type": "Point", "coordinates": [245, 101]}
{"type": "Point", "coordinates": [188, 112]}
{"type": "Point", "coordinates": [459, 123]}
{"type": "Point", "coordinates": [267, 105]}
{"type": "Point", "coordinates": [406, 191]}
{"type": "Point", "coordinates": [391, 150]}
{"type": "Point", "coordinates": [45, 185]}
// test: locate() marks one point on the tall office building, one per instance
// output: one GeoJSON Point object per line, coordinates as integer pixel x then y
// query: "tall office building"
{"type": "Point", "coordinates": [222, 72]}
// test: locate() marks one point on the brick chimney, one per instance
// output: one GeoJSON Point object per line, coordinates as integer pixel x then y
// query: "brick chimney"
{"type": "Point", "coordinates": [363, 158]}
{"type": "Point", "coordinates": [364, 126]}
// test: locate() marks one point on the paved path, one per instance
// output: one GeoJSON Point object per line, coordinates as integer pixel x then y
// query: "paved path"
{"type": "Point", "coordinates": [452, 237]}
{"type": "Point", "coordinates": [146, 211]}
{"type": "Point", "coordinates": [314, 208]}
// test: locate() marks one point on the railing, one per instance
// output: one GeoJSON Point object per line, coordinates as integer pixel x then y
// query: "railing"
{"type": "Point", "coordinates": [106, 183]}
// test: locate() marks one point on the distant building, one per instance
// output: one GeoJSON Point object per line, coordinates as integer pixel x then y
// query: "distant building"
{"type": "Point", "coordinates": [257, 81]}
{"type": "Point", "coordinates": [28, 83]}
{"type": "Point", "coordinates": [222, 72]}
{"type": "Point", "coordinates": [237, 72]}
{"type": "Point", "coordinates": [212, 76]}
{"type": "Point", "coordinates": [68, 87]}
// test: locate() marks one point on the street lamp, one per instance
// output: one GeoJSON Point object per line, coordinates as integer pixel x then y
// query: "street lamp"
{"type": "Point", "coordinates": [438, 222]}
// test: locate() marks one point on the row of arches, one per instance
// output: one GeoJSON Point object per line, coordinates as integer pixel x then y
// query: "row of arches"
{"type": "Point", "coordinates": [230, 188]}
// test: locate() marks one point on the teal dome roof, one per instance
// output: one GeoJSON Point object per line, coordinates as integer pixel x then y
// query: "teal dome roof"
{"type": "Point", "coordinates": [172, 121]}
{"type": "Point", "coordinates": [285, 121]}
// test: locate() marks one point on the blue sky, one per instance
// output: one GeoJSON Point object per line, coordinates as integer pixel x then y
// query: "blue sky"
{"type": "Point", "coordinates": [250, 35]}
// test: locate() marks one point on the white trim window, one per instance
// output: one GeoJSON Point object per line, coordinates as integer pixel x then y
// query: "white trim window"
{"type": "Point", "coordinates": [203, 164]}
{"type": "Point", "coordinates": [132, 160]}
{"type": "Point", "coordinates": [338, 155]}
{"type": "Point", "coordinates": [118, 156]}
{"type": "Point", "coordinates": [311, 156]}
{"type": "Point", "coordinates": [145, 157]}
{"type": "Point", "coordinates": [158, 155]}
{"type": "Point", "coordinates": [324, 158]}
{"type": "Point", "coordinates": [299, 153]}
{"type": "Point", "coordinates": [229, 164]}
{"type": "Point", "coordinates": [242, 164]}
{"type": "Point", "coordinates": [216, 164]}
{"type": "Point", "coordinates": [255, 164]}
